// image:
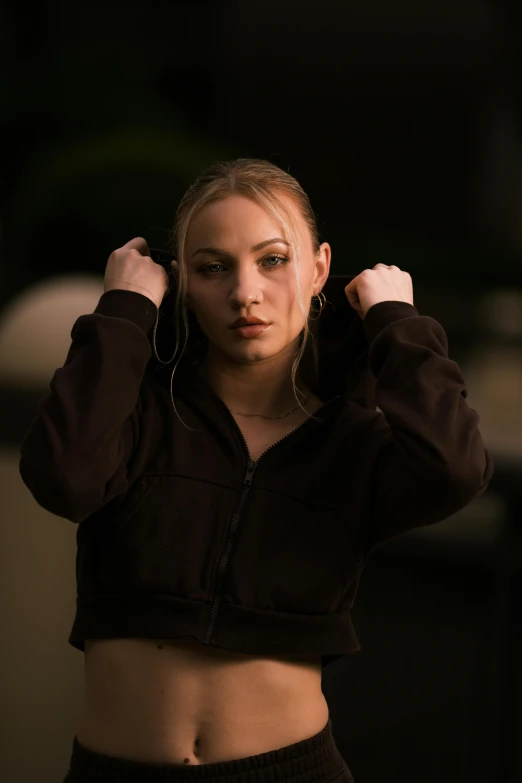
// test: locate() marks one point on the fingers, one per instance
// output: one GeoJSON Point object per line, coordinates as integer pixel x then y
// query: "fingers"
{"type": "Point", "coordinates": [139, 244]}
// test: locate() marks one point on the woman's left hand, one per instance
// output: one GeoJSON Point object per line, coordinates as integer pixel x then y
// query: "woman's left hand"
{"type": "Point", "coordinates": [380, 284]}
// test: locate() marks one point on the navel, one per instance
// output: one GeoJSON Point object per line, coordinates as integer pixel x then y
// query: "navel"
{"type": "Point", "coordinates": [196, 751]}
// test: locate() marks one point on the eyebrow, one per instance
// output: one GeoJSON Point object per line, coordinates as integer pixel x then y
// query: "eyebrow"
{"type": "Point", "coordinates": [216, 251]}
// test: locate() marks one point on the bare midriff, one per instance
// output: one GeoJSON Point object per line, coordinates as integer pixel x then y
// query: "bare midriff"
{"type": "Point", "coordinates": [180, 702]}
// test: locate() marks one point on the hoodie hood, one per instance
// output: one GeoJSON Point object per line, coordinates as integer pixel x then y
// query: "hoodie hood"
{"type": "Point", "coordinates": [335, 362]}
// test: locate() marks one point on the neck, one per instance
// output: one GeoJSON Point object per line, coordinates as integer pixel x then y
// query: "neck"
{"type": "Point", "coordinates": [262, 387]}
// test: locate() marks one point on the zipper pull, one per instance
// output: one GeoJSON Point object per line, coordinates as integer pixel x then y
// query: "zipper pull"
{"type": "Point", "coordinates": [250, 472]}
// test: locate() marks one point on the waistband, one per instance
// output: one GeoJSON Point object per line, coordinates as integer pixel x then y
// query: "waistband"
{"type": "Point", "coordinates": [313, 760]}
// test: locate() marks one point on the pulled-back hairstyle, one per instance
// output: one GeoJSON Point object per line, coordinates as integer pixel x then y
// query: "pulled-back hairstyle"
{"type": "Point", "coordinates": [262, 182]}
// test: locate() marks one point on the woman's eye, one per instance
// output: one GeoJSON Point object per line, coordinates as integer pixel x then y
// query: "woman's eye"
{"type": "Point", "coordinates": [282, 259]}
{"type": "Point", "coordinates": [205, 270]}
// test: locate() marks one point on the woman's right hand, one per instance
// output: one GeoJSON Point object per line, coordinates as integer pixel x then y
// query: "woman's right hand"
{"type": "Point", "coordinates": [132, 269]}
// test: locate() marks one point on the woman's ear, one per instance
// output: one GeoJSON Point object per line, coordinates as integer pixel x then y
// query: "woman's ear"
{"type": "Point", "coordinates": [322, 266]}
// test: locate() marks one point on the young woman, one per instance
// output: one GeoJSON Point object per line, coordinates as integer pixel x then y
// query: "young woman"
{"type": "Point", "coordinates": [174, 701]}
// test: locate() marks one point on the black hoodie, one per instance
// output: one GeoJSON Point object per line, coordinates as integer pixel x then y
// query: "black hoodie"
{"type": "Point", "coordinates": [181, 534]}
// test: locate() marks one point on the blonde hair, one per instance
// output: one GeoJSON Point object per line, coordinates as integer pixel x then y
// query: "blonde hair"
{"type": "Point", "coordinates": [261, 181]}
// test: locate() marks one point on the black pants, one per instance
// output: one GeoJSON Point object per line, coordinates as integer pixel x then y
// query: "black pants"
{"type": "Point", "coordinates": [314, 760]}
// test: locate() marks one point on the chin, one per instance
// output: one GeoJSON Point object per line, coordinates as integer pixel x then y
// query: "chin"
{"type": "Point", "coordinates": [251, 351]}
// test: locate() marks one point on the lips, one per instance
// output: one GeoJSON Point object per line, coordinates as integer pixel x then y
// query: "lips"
{"type": "Point", "coordinates": [254, 322]}
{"type": "Point", "coordinates": [251, 330]}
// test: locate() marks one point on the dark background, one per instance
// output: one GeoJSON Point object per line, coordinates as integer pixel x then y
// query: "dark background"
{"type": "Point", "coordinates": [403, 122]}
{"type": "Point", "coordinates": [400, 120]}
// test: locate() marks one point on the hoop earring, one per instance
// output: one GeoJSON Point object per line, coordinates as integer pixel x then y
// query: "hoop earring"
{"type": "Point", "coordinates": [322, 303]}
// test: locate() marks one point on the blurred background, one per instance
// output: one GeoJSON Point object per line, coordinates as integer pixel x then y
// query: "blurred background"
{"type": "Point", "coordinates": [403, 122]}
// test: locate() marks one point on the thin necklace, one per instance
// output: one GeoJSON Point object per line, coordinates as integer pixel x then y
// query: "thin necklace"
{"type": "Point", "coordinates": [269, 417]}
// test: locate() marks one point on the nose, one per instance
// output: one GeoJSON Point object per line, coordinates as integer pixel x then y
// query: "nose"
{"type": "Point", "coordinates": [246, 288]}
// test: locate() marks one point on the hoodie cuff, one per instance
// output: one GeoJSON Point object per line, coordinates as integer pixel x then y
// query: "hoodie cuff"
{"type": "Point", "coordinates": [383, 313]}
{"type": "Point", "coordinates": [138, 308]}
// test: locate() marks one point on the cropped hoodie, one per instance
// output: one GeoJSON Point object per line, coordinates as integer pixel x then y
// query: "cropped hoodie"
{"type": "Point", "coordinates": [181, 534]}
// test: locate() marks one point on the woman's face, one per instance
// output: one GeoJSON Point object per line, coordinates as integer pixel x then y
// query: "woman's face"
{"type": "Point", "coordinates": [241, 280]}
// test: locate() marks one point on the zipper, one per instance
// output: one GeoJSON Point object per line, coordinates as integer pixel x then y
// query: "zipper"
{"type": "Point", "coordinates": [247, 482]}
